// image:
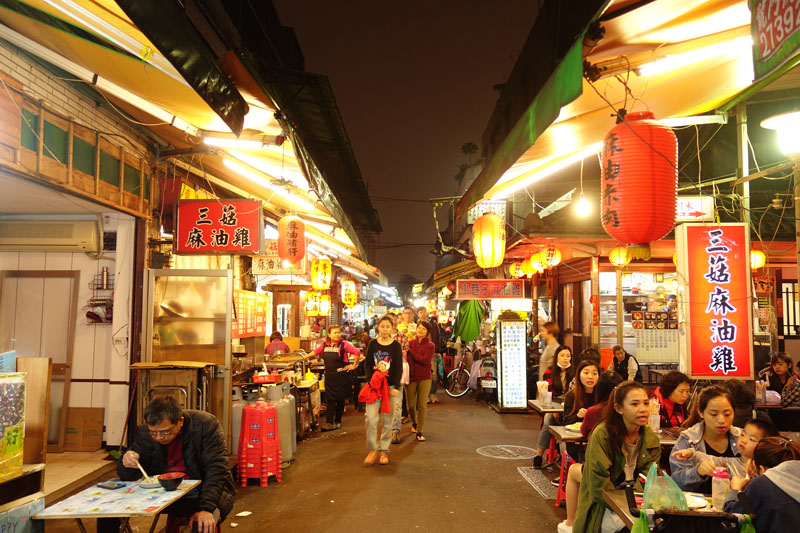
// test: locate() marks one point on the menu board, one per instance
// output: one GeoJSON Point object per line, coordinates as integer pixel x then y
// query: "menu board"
{"type": "Point", "coordinates": [657, 345]}
{"type": "Point", "coordinates": [512, 392]}
{"type": "Point", "coordinates": [250, 314]}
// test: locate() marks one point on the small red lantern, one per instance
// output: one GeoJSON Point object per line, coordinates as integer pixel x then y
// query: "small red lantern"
{"type": "Point", "coordinates": [489, 240]}
{"type": "Point", "coordinates": [619, 256]}
{"type": "Point", "coordinates": [311, 304]}
{"type": "Point", "coordinates": [451, 286]}
{"type": "Point", "coordinates": [321, 274]}
{"type": "Point", "coordinates": [516, 270]}
{"type": "Point", "coordinates": [349, 293]}
{"type": "Point", "coordinates": [640, 182]}
{"type": "Point", "coordinates": [291, 238]}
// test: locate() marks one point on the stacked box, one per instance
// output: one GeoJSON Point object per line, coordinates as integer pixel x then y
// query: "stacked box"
{"type": "Point", "coordinates": [12, 423]}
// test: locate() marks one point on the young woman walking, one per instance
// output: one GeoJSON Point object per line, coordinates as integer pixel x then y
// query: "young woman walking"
{"type": "Point", "coordinates": [420, 355]}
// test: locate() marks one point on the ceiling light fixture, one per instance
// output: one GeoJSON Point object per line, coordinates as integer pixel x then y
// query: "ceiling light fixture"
{"type": "Point", "coordinates": [787, 126]}
{"type": "Point", "coordinates": [264, 181]}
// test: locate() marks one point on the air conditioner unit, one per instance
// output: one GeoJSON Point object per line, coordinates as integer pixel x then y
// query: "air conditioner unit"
{"type": "Point", "coordinates": [49, 235]}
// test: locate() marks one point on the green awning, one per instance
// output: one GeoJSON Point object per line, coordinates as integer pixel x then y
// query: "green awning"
{"type": "Point", "coordinates": [563, 86]}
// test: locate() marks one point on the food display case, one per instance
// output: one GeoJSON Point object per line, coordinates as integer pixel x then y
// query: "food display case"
{"type": "Point", "coordinates": [188, 318]}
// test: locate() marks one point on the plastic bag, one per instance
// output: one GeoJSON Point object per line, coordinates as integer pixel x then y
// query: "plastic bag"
{"type": "Point", "coordinates": [640, 524]}
{"type": "Point", "coordinates": [748, 526]}
{"type": "Point", "coordinates": [661, 492]}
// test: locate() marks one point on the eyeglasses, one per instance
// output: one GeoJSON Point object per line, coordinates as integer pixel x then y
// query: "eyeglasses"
{"type": "Point", "coordinates": [162, 433]}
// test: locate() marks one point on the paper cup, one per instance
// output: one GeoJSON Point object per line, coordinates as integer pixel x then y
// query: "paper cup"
{"type": "Point", "coordinates": [546, 398]}
{"type": "Point", "coordinates": [655, 423]}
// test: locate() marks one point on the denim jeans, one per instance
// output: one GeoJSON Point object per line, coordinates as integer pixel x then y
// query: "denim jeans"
{"type": "Point", "coordinates": [372, 414]}
{"type": "Point", "coordinates": [544, 433]}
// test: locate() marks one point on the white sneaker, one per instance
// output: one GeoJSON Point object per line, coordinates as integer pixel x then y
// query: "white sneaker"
{"type": "Point", "coordinates": [564, 528]}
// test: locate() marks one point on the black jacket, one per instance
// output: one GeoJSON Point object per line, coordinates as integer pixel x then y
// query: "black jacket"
{"type": "Point", "coordinates": [204, 454]}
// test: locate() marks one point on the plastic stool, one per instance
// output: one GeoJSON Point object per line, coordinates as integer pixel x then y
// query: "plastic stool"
{"type": "Point", "coordinates": [566, 462]}
{"type": "Point", "coordinates": [551, 454]}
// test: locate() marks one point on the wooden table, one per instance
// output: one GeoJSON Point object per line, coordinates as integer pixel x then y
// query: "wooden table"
{"type": "Point", "coordinates": [617, 502]}
{"type": "Point", "coordinates": [552, 407]}
{"type": "Point", "coordinates": [562, 434]}
{"type": "Point", "coordinates": [123, 503]}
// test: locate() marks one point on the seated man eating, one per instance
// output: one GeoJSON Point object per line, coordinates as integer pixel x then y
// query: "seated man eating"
{"type": "Point", "coordinates": [174, 440]}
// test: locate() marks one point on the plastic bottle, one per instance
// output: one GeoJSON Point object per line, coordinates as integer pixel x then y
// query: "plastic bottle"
{"type": "Point", "coordinates": [720, 485]}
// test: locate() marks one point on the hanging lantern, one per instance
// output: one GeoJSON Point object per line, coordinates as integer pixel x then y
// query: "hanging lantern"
{"type": "Point", "coordinates": [550, 256]}
{"type": "Point", "coordinates": [537, 264]}
{"type": "Point", "coordinates": [311, 304]}
{"type": "Point", "coordinates": [640, 182]}
{"type": "Point", "coordinates": [321, 274]}
{"type": "Point", "coordinates": [516, 269]}
{"type": "Point", "coordinates": [675, 258]}
{"type": "Point", "coordinates": [324, 304]}
{"type": "Point", "coordinates": [489, 240]}
{"type": "Point", "coordinates": [291, 238]}
{"type": "Point", "coordinates": [349, 293]}
{"type": "Point", "coordinates": [445, 292]}
{"type": "Point", "coordinates": [451, 287]}
{"type": "Point", "coordinates": [757, 259]}
{"type": "Point", "coordinates": [619, 256]}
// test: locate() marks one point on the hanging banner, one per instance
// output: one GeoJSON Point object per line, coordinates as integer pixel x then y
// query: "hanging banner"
{"type": "Point", "coordinates": [485, 289]}
{"type": "Point", "coordinates": [250, 314]}
{"type": "Point", "coordinates": [773, 27]}
{"type": "Point", "coordinates": [714, 301]}
{"type": "Point", "coordinates": [208, 227]}
{"type": "Point", "coordinates": [269, 263]}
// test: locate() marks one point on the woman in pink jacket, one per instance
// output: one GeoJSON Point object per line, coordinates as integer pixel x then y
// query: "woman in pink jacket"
{"type": "Point", "coordinates": [420, 355]}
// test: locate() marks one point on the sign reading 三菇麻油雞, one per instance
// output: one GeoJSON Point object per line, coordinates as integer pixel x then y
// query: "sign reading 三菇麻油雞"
{"type": "Point", "coordinates": [715, 301]}
{"type": "Point", "coordinates": [773, 28]}
{"type": "Point", "coordinates": [269, 263]}
{"type": "Point", "coordinates": [484, 289]}
{"type": "Point", "coordinates": [219, 227]}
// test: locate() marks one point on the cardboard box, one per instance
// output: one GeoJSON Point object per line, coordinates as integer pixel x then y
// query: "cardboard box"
{"type": "Point", "coordinates": [84, 429]}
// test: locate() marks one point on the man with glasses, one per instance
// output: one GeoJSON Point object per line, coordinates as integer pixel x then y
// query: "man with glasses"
{"type": "Point", "coordinates": [174, 440]}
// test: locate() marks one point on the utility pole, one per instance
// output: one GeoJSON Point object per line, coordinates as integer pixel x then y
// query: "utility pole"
{"type": "Point", "coordinates": [744, 160]}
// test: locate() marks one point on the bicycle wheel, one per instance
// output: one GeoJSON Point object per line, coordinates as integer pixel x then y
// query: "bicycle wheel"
{"type": "Point", "coordinates": [457, 381]}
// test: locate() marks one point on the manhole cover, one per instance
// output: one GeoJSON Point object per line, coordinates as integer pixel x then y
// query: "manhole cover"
{"type": "Point", "coordinates": [503, 451]}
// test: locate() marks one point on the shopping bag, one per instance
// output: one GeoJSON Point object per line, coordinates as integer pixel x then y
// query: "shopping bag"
{"type": "Point", "coordinates": [748, 526]}
{"type": "Point", "coordinates": [640, 525]}
{"type": "Point", "coordinates": [661, 492]}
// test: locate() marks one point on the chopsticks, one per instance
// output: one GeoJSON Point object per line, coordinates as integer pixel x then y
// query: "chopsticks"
{"type": "Point", "coordinates": [147, 478]}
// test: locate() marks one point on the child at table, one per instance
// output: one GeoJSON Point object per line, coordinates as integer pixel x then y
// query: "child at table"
{"type": "Point", "coordinates": [754, 430]}
{"type": "Point", "coordinates": [775, 492]}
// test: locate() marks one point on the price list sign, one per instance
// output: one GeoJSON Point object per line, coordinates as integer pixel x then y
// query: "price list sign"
{"type": "Point", "coordinates": [657, 345]}
{"type": "Point", "coordinates": [250, 319]}
{"type": "Point", "coordinates": [511, 360]}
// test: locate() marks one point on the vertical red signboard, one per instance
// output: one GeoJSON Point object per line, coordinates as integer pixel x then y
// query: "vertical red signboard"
{"type": "Point", "coordinates": [219, 227]}
{"type": "Point", "coordinates": [715, 301]}
{"type": "Point", "coordinates": [250, 314]}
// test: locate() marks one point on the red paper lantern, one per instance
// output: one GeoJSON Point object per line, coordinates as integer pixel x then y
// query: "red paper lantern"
{"type": "Point", "coordinates": [489, 240]}
{"type": "Point", "coordinates": [640, 182]}
{"type": "Point", "coordinates": [451, 286]}
{"type": "Point", "coordinates": [291, 238]}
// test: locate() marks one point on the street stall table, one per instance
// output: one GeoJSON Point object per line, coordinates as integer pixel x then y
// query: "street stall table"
{"type": "Point", "coordinates": [126, 502]}
{"type": "Point", "coordinates": [553, 407]}
{"type": "Point", "coordinates": [562, 434]}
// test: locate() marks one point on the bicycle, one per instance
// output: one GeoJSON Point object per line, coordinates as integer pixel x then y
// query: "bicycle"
{"type": "Point", "coordinates": [458, 378]}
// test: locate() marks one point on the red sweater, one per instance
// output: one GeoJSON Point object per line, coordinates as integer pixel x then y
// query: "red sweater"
{"type": "Point", "coordinates": [376, 389]}
{"type": "Point", "coordinates": [419, 356]}
{"type": "Point", "coordinates": [593, 416]}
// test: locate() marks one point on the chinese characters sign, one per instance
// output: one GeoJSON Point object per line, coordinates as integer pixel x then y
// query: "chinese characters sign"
{"type": "Point", "coordinates": [250, 316]}
{"type": "Point", "coordinates": [219, 227]}
{"type": "Point", "coordinates": [716, 289]}
{"type": "Point", "coordinates": [773, 27]}
{"type": "Point", "coordinates": [512, 382]}
{"type": "Point", "coordinates": [694, 209]}
{"type": "Point", "coordinates": [484, 289]}
{"type": "Point", "coordinates": [610, 186]}
{"type": "Point", "coordinates": [269, 262]}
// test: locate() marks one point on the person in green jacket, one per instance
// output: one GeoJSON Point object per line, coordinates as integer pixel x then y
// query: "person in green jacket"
{"type": "Point", "coordinates": [619, 449]}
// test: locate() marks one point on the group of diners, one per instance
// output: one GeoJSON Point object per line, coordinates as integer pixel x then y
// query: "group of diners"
{"type": "Point", "coordinates": [614, 412]}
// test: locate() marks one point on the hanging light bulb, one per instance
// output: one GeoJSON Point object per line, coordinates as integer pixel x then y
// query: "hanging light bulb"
{"type": "Point", "coordinates": [582, 206]}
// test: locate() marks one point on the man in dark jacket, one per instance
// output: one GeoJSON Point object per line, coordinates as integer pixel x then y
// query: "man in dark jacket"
{"type": "Point", "coordinates": [174, 440]}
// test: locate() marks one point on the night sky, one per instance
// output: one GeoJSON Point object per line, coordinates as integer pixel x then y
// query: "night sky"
{"type": "Point", "coordinates": [413, 81]}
